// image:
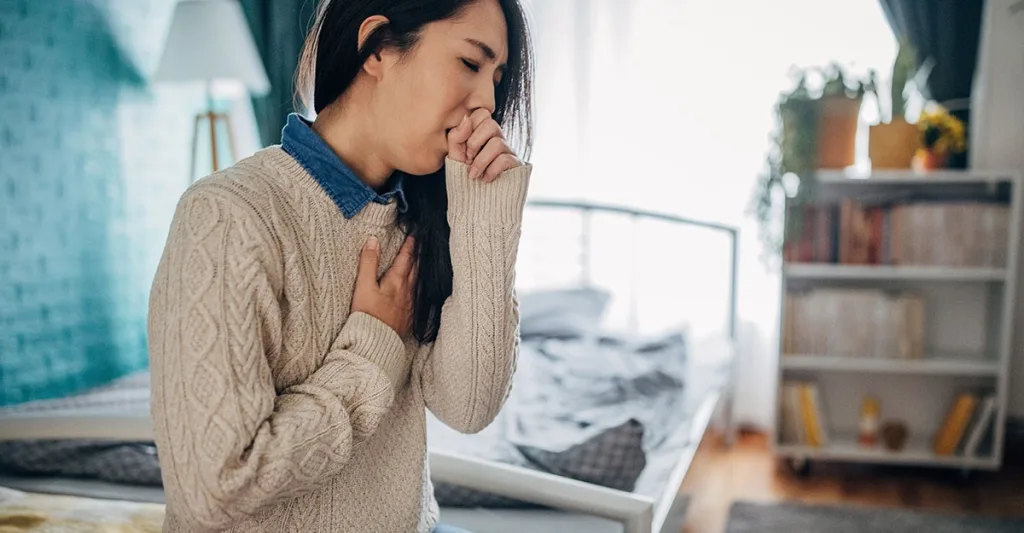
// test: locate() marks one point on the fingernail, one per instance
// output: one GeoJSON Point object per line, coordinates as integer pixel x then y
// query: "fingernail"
{"type": "Point", "coordinates": [474, 173]}
{"type": "Point", "coordinates": [372, 243]}
{"type": "Point", "coordinates": [465, 119]}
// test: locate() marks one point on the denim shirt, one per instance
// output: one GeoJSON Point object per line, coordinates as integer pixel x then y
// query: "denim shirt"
{"type": "Point", "coordinates": [347, 191]}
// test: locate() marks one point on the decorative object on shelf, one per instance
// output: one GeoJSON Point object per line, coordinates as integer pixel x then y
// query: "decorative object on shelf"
{"type": "Point", "coordinates": [892, 144]}
{"type": "Point", "coordinates": [894, 435]}
{"type": "Point", "coordinates": [815, 128]}
{"type": "Point", "coordinates": [867, 426]}
{"type": "Point", "coordinates": [942, 135]}
{"type": "Point", "coordinates": [210, 41]}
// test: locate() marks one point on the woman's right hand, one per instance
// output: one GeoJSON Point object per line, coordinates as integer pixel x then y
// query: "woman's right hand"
{"type": "Point", "coordinates": [479, 143]}
{"type": "Point", "coordinates": [390, 299]}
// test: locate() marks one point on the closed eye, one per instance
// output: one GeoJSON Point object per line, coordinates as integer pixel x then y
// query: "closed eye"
{"type": "Point", "coordinates": [470, 65]}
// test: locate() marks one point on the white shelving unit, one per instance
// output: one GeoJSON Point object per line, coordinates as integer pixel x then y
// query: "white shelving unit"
{"type": "Point", "coordinates": [968, 329]}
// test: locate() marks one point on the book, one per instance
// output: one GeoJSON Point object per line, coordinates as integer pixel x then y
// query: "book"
{"type": "Point", "coordinates": [948, 436]}
{"type": "Point", "coordinates": [852, 322]}
{"type": "Point", "coordinates": [803, 414]}
{"type": "Point", "coordinates": [874, 231]}
{"type": "Point", "coordinates": [819, 426]}
{"type": "Point", "coordinates": [980, 425]}
{"type": "Point", "coordinates": [792, 432]}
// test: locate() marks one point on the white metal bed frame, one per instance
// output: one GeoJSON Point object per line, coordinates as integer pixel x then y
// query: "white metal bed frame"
{"type": "Point", "coordinates": [637, 513]}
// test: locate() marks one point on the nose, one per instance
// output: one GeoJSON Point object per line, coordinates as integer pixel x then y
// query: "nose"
{"type": "Point", "coordinates": [483, 96]}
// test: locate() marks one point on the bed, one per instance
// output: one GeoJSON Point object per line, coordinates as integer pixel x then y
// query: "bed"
{"type": "Point", "coordinates": [612, 396]}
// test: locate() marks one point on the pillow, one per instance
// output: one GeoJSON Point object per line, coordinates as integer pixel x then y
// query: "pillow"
{"type": "Point", "coordinates": [561, 314]}
{"type": "Point", "coordinates": [613, 458]}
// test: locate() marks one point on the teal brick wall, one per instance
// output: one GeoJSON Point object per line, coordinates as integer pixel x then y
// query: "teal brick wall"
{"type": "Point", "coordinates": [92, 160]}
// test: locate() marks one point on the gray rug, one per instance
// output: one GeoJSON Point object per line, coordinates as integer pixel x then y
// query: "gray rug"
{"type": "Point", "coordinates": [745, 517]}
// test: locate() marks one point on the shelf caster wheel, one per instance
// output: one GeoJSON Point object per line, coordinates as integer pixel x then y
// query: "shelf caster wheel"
{"type": "Point", "coordinates": [799, 467]}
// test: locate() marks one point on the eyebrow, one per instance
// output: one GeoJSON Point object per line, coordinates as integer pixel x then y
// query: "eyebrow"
{"type": "Point", "coordinates": [487, 50]}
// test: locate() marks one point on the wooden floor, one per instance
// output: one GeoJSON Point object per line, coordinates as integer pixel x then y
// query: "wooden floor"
{"type": "Point", "coordinates": [748, 471]}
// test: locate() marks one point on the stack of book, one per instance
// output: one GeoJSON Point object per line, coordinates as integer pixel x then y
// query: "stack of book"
{"type": "Point", "coordinates": [963, 234]}
{"type": "Point", "coordinates": [854, 323]}
{"type": "Point", "coordinates": [803, 415]}
{"type": "Point", "coordinates": [968, 422]}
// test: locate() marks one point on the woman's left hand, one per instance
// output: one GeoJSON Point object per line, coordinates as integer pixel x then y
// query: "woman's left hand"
{"type": "Point", "coordinates": [479, 143]}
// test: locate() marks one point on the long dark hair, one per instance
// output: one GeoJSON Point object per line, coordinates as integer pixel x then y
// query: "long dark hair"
{"type": "Point", "coordinates": [329, 64]}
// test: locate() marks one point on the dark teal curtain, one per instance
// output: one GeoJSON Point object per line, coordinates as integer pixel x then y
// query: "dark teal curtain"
{"type": "Point", "coordinates": [947, 32]}
{"type": "Point", "coordinates": [279, 28]}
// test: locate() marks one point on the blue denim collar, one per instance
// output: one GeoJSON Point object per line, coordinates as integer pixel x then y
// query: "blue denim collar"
{"type": "Point", "coordinates": [347, 191]}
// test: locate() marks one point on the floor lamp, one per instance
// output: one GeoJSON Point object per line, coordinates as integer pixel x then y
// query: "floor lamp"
{"type": "Point", "coordinates": [210, 42]}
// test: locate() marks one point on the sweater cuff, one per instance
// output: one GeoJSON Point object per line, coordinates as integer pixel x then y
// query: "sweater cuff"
{"type": "Point", "coordinates": [368, 337]}
{"type": "Point", "coordinates": [499, 201]}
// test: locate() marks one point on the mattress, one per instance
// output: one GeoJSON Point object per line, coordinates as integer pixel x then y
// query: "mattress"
{"type": "Point", "coordinates": [118, 411]}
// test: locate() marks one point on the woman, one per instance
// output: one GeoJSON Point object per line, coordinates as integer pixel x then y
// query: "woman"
{"type": "Point", "coordinates": [313, 300]}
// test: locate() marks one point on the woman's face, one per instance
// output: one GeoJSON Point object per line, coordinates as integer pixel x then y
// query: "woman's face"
{"type": "Point", "coordinates": [452, 71]}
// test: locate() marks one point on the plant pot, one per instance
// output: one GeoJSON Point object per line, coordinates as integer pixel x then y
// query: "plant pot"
{"type": "Point", "coordinates": [893, 145]}
{"type": "Point", "coordinates": [837, 131]}
{"type": "Point", "coordinates": [926, 160]}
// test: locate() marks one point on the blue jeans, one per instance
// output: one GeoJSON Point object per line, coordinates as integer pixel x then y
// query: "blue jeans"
{"type": "Point", "coordinates": [441, 528]}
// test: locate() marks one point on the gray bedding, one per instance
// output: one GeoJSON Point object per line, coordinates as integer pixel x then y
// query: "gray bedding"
{"type": "Point", "coordinates": [590, 409]}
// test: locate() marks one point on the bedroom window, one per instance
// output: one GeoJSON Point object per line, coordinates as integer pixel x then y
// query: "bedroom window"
{"type": "Point", "coordinates": [668, 105]}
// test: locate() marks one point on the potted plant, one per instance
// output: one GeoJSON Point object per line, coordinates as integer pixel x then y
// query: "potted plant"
{"type": "Point", "coordinates": [839, 115]}
{"type": "Point", "coordinates": [815, 129]}
{"type": "Point", "coordinates": [942, 135]}
{"type": "Point", "coordinates": [792, 160]}
{"type": "Point", "coordinates": [893, 143]}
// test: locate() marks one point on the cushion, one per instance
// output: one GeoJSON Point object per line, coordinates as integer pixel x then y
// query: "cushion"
{"type": "Point", "coordinates": [562, 314]}
{"type": "Point", "coordinates": [613, 458]}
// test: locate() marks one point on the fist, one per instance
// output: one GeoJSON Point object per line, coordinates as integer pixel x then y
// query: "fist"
{"type": "Point", "coordinates": [479, 143]}
{"type": "Point", "coordinates": [389, 299]}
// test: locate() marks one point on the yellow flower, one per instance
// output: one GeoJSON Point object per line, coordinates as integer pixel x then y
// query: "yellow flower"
{"type": "Point", "coordinates": [941, 131]}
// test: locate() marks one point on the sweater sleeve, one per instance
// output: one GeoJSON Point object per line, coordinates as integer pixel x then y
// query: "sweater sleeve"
{"type": "Point", "coordinates": [468, 373]}
{"type": "Point", "coordinates": [231, 444]}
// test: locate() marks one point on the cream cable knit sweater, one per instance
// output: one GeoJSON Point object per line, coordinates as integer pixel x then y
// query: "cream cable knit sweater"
{"type": "Point", "coordinates": [275, 410]}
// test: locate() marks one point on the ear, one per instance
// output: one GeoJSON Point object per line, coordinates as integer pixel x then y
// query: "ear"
{"type": "Point", "coordinates": [374, 63]}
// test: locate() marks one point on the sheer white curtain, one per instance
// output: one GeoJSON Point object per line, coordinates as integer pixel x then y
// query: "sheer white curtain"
{"type": "Point", "coordinates": [668, 105]}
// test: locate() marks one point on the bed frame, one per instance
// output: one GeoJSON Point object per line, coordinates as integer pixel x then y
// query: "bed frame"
{"type": "Point", "coordinates": [637, 513]}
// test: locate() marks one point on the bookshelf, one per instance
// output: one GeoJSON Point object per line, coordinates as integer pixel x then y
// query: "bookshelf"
{"type": "Point", "coordinates": [901, 288]}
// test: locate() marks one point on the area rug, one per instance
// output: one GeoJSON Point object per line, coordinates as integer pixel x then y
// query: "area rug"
{"type": "Point", "coordinates": [745, 517]}
{"type": "Point", "coordinates": [21, 512]}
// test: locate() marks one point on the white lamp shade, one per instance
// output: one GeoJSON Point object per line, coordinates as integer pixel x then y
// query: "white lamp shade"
{"type": "Point", "coordinates": [210, 40]}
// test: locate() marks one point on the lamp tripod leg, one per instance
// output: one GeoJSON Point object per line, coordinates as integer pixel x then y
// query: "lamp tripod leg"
{"type": "Point", "coordinates": [212, 117]}
{"type": "Point", "coordinates": [195, 149]}
{"type": "Point", "coordinates": [231, 137]}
